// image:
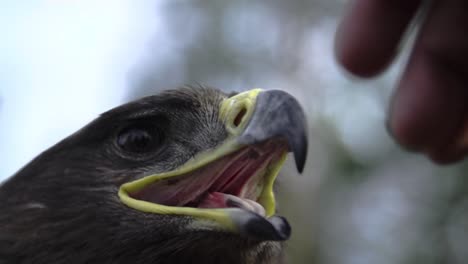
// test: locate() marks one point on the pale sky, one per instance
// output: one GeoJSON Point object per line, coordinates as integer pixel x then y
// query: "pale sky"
{"type": "Point", "coordinates": [63, 63]}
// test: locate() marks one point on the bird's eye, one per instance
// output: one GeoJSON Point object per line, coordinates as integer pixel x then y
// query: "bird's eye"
{"type": "Point", "coordinates": [139, 138]}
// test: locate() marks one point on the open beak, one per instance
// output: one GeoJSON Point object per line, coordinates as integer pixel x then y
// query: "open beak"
{"type": "Point", "coordinates": [231, 186]}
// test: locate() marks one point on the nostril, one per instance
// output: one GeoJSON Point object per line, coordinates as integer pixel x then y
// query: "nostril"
{"type": "Point", "coordinates": [239, 116]}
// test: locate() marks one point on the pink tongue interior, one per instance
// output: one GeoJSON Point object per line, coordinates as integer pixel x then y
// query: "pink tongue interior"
{"type": "Point", "coordinates": [214, 200]}
{"type": "Point", "coordinates": [204, 186]}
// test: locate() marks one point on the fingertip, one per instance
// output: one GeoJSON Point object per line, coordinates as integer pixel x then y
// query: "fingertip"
{"type": "Point", "coordinates": [367, 38]}
{"type": "Point", "coordinates": [412, 139]}
{"type": "Point", "coordinates": [428, 108]}
{"type": "Point", "coordinates": [417, 118]}
{"type": "Point", "coordinates": [353, 57]}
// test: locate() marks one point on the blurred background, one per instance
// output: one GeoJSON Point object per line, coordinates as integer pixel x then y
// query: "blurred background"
{"type": "Point", "coordinates": [361, 199]}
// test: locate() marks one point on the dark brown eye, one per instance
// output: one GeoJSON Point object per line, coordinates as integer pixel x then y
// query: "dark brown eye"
{"type": "Point", "coordinates": [139, 138]}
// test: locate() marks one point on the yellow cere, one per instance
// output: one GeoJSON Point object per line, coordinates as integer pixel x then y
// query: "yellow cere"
{"type": "Point", "coordinates": [231, 107]}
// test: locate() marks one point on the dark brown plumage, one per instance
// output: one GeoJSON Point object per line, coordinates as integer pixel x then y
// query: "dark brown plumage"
{"type": "Point", "coordinates": [63, 206]}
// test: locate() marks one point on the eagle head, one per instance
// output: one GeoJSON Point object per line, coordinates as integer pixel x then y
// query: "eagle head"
{"type": "Point", "coordinates": [185, 176]}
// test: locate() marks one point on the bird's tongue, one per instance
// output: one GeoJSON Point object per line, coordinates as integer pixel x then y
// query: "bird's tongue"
{"type": "Point", "coordinates": [223, 200]}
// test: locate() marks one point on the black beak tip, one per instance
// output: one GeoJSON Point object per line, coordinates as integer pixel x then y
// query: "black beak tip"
{"type": "Point", "coordinates": [300, 154]}
{"type": "Point", "coordinates": [300, 162]}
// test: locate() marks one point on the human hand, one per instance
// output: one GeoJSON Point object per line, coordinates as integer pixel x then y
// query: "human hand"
{"type": "Point", "coordinates": [429, 109]}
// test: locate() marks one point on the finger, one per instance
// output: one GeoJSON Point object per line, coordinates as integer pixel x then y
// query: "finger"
{"type": "Point", "coordinates": [368, 36]}
{"type": "Point", "coordinates": [430, 106]}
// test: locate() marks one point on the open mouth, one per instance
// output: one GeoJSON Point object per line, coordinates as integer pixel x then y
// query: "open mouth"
{"type": "Point", "coordinates": [230, 187]}
{"type": "Point", "coordinates": [242, 179]}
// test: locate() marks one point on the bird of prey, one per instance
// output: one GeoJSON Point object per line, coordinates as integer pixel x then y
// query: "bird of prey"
{"type": "Point", "coordinates": [184, 176]}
